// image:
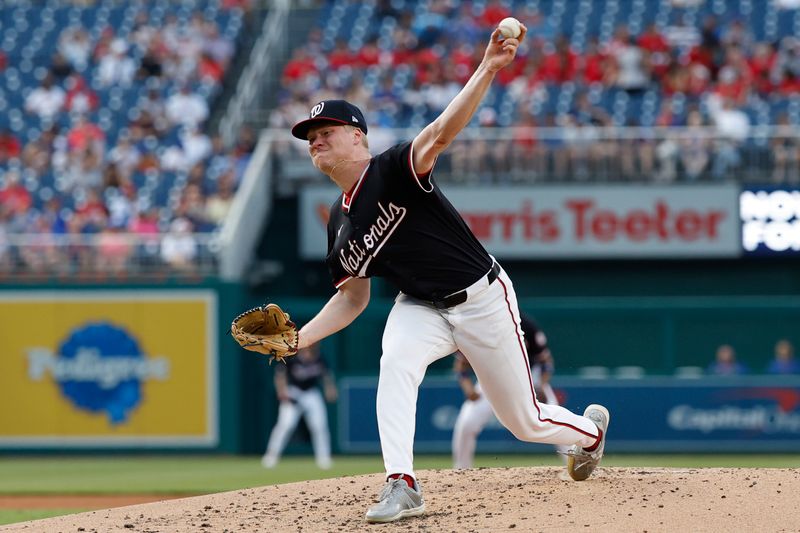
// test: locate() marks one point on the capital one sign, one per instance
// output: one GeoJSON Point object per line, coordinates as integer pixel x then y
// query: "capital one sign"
{"type": "Point", "coordinates": [593, 222]}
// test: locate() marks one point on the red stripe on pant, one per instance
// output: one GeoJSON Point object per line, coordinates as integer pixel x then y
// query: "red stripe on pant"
{"type": "Point", "coordinates": [528, 369]}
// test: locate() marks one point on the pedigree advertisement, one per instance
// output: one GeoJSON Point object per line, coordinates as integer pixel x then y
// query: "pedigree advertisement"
{"type": "Point", "coordinates": [108, 369]}
{"type": "Point", "coordinates": [574, 222]}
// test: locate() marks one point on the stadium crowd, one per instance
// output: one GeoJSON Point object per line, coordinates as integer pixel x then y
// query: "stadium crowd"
{"type": "Point", "coordinates": [704, 73]}
{"type": "Point", "coordinates": [112, 142]}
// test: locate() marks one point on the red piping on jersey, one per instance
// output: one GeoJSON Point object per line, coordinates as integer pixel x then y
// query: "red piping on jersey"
{"type": "Point", "coordinates": [416, 177]}
{"type": "Point", "coordinates": [349, 196]}
{"type": "Point", "coordinates": [342, 281]}
{"type": "Point", "coordinates": [528, 369]}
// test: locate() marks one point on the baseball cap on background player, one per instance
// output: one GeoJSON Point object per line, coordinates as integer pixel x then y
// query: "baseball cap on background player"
{"type": "Point", "coordinates": [339, 111]}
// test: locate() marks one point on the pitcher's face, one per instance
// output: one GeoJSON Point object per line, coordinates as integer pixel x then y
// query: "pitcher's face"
{"type": "Point", "coordinates": [330, 143]}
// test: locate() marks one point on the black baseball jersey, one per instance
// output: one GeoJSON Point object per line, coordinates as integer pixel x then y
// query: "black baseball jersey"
{"type": "Point", "coordinates": [301, 373]}
{"type": "Point", "coordinates": [398, 225]}
{"type": "Point", "coordinates": [536, 344]}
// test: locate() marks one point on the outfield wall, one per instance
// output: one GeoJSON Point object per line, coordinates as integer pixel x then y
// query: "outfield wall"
{"type": "Point", "coordinates": [183, 384]}
{"type": "Point", "coordinates": [650, 415]}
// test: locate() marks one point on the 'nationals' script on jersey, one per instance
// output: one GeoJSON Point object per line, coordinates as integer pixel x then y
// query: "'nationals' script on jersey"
{"type": "Point", "coordinates": [398, 225]}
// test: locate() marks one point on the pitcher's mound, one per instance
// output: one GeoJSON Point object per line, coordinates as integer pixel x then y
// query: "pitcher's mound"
{"type": "Point", "coordinates": [486, 499]}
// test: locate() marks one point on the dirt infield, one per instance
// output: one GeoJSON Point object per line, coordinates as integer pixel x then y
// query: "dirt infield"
{"type": "Point", "coordinates": [79, 501]}
{"type": "Point", "coordinates": [496, 499]}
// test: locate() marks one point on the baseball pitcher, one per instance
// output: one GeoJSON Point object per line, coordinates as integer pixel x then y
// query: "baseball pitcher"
{"type": "Point", "coordinates": [393, 221]}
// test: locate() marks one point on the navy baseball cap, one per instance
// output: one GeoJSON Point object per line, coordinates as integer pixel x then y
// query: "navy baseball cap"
{"type": "Point", "coordinates": [339, 111]}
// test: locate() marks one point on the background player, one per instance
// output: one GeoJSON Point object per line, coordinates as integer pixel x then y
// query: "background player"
{"type": "Point", "coordinates": [476, 412]}
{"type": "Point", "coordinates": [297, 387]}
{"type": "Point", "coordinates": [393, 221]}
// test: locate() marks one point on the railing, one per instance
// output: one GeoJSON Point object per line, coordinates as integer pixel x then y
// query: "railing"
{"type": "Point", "coordinates": [260, 69]}
{"type": "Point", "coordinates": [584, 154]}
{"type": "Point", "coordinates": [110, 255]}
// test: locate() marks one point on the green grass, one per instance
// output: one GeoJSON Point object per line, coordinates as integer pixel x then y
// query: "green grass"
{"type": "Point", "coordinates": [12, 516]}
{"type": "Point", "coordinates": [164, 475]}
{"type": "Point", "coordinates": [205, 474]}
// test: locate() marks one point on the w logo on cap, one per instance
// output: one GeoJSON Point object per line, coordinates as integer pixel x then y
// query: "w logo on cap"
{"type": "Point", "coordinates": [316, 110]}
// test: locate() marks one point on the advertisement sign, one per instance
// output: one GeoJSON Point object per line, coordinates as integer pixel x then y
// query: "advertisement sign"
{"type": "Point", "coordinates": [647, 415]}
{"type": "Point", "coordinates": [770, 221]}
{"type": "Point", "coordinates": [605, 221]}
{"type": "Point", "coordinates": [106, 369]}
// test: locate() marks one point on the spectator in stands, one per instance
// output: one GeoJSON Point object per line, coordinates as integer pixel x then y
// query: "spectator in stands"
{"type": "Point", "coordinates": [527, 154]}
{"type": "Point", "coordinates": [152, 119]}
{"type": "Point", "coordinates": [115, 67]}
{"type": "Point", "coordinates": [596, 66]}
{"type": "Point", "coordinates": [60, 67]}
{"type": "Point", "coordinates": [41, 253]}
{"type": "Point", "coordinates": [761, 65]}
{"type": "Point", "coordinates": [493, 13]}
{"type": "Point", "coordinates": [557, 151]}
{"type": "Point", "coordinates": [186, 108]}
{"type": "Point", "coordinates": [53, 215]}
{"type": "Point", "coordinates": [14, 196]}
{"type": "Point", "coordinates": [733, 128]}
{"type": "Point", "coordinates": [5, 246]}
{"type": "Point", "coordinates": [785, 151]}
{"type": "Point", "coordinates": [738, 35]}
{"type": "Point", "coordinates": [300, 65]}
{"type": "Point", "coordinates": [179, 247]}
{"type": "Point", "coordinates": [120, 196]}
{"type": "Point", "coordinates": [209, 70]}
{"type": "Point", "coordinates": [103, 44]}
{"type": "Point", "coordinates": [146, 228]}
{"type": "Point", "coordinates": [784, 361]}
{"type": "Point", "coordinates": [559, 65]}
{"type": "Point", "coordinates": [76, 46]}
{"type": "Point", "coordinates": [10, 147]}
{"type": "Point", "coordinates": [114, 250]}
{"type": "Point", "coordinates": [194, 146]}
{"type": "Point", "coordinates": [143, 32]}
{"type": "Point", "coordinates": [80, 97]}
{"type": "Point", "coordinates": [633, 71]}
{"type": "Point", "coordinates": [787, 65]}
{"type": "Point", "coordinates": [695, 146]}
{"type": "Point", "coordinates": [725, 363]}
{"type": "Point", "coordinates": [219, 203]}
{"type": "Point", "coordinates": [192, 207]}
{"type": "Point", "coordinates": [656, 49]}
{"type": "Point", "coordinates": [219, 48]}
{"type": "Point", "coordinates": [40, 154]}
{"type": "Point", "coordinates": [125, 156]}
{"type": "Point", "coordinates": [680, 34]}
{"type": "Point", "coordinates": [151, 65]}
{"type": "Point", "coordinates": [47, 100]}
{"type": "Point", "coordinates": [636, 151]}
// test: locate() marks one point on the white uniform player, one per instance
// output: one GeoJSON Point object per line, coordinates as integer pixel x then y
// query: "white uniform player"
{"type": "Point", "coordinates": [476, 411]}
{"type": "Point", "coordinates": [297, 387]}
{"type": "Point", "coordinates": [393, 221]}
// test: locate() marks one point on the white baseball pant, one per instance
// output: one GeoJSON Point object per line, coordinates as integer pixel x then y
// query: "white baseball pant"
{"type": "Point", "coordinates": [311, 405]}
{"type": "Point", "coordinates": [474, 416]}
{"type": "Point", "coordinates": [486, 328]}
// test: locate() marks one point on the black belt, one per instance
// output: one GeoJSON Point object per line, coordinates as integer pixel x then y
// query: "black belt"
{"type": "Point", "coordinates": [461, 296]}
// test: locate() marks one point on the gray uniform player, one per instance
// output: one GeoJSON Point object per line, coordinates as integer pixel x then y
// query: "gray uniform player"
{"type": "Point", "coordinates": [393, 221]}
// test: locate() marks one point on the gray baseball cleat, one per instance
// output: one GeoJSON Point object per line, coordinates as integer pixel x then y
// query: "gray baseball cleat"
{"type": "Point", "coordinates": [397, 500]}
{"type": "Point", "coordinates": [580, 463]}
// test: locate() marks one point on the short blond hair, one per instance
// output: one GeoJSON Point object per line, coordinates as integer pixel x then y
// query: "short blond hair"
{"type": "Point", "coordinates": [364, 141]}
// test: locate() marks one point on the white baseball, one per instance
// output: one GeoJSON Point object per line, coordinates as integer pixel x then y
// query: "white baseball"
{"type": "Point", "coordinates": [509, 28]}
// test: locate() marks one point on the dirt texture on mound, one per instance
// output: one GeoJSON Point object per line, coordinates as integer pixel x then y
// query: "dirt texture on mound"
{"type": "Point", "coordinates": [486, 499]}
